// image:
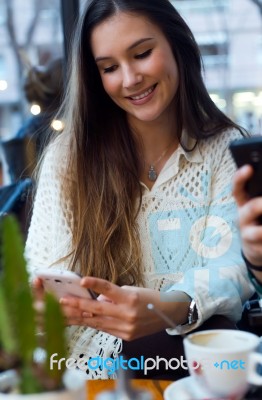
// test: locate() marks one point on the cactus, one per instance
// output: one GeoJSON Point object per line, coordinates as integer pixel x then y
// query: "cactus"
{"type": "Point", "coordinates": [20, 322]}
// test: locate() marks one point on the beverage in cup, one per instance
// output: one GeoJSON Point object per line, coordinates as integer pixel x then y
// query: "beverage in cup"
{"type": "Point", "coordinates": [225, 362]}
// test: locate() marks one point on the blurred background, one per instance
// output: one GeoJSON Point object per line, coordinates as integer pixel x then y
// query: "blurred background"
{"type": "Point", "coordinates": [229, 33]}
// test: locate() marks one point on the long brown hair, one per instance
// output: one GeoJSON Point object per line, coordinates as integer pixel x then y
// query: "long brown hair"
{"type": "Point", "coordinates": [105, 194]}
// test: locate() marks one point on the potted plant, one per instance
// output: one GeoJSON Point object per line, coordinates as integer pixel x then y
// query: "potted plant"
{"type": "Point", "coordinates": [20, 326]}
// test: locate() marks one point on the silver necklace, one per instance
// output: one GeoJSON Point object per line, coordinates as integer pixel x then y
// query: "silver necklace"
{"type": "Point", "coordinates": [152, 174]}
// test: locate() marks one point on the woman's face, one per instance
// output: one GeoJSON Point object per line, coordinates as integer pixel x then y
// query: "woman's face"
{"type": "Point", "coordinates": [137, 66]}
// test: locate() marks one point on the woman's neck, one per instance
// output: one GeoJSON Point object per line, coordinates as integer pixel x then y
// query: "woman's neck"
{"type": "Point", "coordinates": [154, 137]}
{"type": "Point", "coordinates": [157, 142]}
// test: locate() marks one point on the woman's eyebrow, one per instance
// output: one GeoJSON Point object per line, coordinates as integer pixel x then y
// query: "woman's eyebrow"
{"type": "Point", "coordinates": [138, 42]}
{"type": "Point", "coordinates": [135, 44]}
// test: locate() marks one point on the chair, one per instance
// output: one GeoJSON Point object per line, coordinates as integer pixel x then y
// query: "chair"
{"type": "Point", "coordinates": [20, 157]}
{"type": "Point", "coordinates": [16, 199]}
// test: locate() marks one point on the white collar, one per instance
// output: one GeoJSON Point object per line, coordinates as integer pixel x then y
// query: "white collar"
{"type": "Point", "coordinates": [190, 143]}
{"type": "Point", "coordinates": [171, 167]}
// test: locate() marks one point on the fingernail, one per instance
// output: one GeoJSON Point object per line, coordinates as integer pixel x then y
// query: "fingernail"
{"type": "Point", "coordinates": [63, 301]}
{"type": "Point", "coordinates": [86, 314]}
{"type": "Point", "coordinates": [245, 168]}
{"type": "Point", "coordinates": [39, 305]}
{"type": "Point", "coordinates": [83, 281]}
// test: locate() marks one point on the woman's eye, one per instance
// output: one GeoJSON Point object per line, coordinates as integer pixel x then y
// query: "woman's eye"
{"type": "Point", "coordinates": [112, 68]}
{"type": "Point", "coordinates": [145, 54]}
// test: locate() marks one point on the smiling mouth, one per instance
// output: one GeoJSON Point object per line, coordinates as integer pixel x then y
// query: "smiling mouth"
{"type": "Point", "coordinates": [143, 95]}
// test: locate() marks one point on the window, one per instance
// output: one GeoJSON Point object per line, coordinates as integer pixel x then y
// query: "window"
{"type": "Point", "coordinates": [214, 48]}
{"type": "Point", "coordinates": [2, 14]}
{"type": "Point", "coordinates": [214, 54]}
{"type": "Point", "coordinates": [38, 32]}
{"type": "Point", "coordinates": [3, 71]}
{"type": "Point", "coordinates": [45, 4]}
{"type": "Point", "coordinates": [202, 5]}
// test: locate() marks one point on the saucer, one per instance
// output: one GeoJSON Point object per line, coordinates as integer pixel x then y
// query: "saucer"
{"type": "Point", "coordinates": [186, 389]}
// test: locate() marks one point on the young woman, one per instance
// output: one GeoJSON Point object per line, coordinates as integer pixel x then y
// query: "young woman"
{"type": "Point", "coordinates": [136, 193]}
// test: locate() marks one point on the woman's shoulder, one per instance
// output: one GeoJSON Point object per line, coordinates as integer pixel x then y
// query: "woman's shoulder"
{"type": "Point", "coordinates": [228, 135]}
{"type": "Point", "coordinates": [221, 141]}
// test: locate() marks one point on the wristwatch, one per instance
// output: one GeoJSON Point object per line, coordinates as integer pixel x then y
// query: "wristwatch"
{"type": "Point", "coordinates": [192, 316]}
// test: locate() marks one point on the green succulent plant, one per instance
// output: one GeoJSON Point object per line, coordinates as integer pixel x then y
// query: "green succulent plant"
{"type": "Point", "coordinates": [21, 323]}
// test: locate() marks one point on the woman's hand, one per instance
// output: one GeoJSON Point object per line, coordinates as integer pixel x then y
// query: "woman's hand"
{"type": "Point", "coordinates": [38, 290]}
{"type": "Point", "coordinates": [122, 311]}
{"type": "Point", "coordinates": [249, 211]}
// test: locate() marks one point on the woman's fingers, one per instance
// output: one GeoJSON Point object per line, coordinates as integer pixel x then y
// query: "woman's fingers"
{"type": "Point", "coordinates": [38, 290]}
{"type": "Point", "coordinates": [103, 287]}
{"type": "Point", "coordinates": [78, 306]}
{"type": "Point", "coordinates": [239, 182]}
{"type": "Point", "coordinates": [71, 312]}
{"type": "Point", "coordinates": [37, 283]}
{"type": "Point", "coordinates": [124, 311]}
{"type": "Point", "coordinates": [114, 296]}
{"type": "Point", "coordinates": [253, 234]}
{"type": "Point", "coordinates": [250, 212]}
{"type": "Point", "coordinates": [101, 297]}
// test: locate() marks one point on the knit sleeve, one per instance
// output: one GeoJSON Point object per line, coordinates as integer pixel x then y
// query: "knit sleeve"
{"type": "Point", "coordinates": [49, 239]}
{"type": "Point", "coordinates": [49, 235]}
{"type": "Point", "coordinates": [220, 285]}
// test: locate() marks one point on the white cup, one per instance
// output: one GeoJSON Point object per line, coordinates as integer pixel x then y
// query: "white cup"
{"type": "Point", "coordinates": [223, 361]}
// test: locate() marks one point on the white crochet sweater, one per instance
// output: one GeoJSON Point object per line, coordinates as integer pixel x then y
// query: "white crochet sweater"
{"type": "Point", "coordinates": [188, 233]}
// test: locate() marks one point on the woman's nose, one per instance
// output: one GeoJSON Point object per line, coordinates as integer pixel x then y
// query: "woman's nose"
{"type": "Point", "coordinates": [131, 77]}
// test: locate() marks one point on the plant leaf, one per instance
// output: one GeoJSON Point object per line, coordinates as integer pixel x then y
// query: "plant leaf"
{"type": "Point", "coordinates": [54, 326]}
{"type": "Point", "coordinates": [7, 339]}
{"type": "Point", "coordinates": [16, 288]}
{"type": "Point", "coordinates": [29, 383]}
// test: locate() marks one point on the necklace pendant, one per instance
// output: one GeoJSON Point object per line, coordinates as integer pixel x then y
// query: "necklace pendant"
{"type": "Point", "coordinates": [152, 175]}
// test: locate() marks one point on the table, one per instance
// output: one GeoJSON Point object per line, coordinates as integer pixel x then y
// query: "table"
{"type": "Point", "coordinates": [156, 387]}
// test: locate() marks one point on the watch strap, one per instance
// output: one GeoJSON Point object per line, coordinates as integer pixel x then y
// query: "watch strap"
{"type": "Point", "coordinates": [257, 284]}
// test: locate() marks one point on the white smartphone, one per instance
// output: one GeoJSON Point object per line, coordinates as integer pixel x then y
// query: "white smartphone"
{"type": "Point", "coordinates": [63, 283]}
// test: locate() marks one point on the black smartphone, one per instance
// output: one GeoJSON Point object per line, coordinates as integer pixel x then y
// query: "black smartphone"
{"type": "Point", "coordinates": [249, 151]}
